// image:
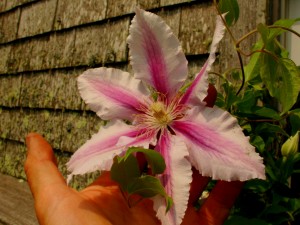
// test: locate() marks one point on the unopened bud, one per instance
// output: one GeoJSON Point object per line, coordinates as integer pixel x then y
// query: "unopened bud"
{"type": "Point", "coordinates": [291, 145]}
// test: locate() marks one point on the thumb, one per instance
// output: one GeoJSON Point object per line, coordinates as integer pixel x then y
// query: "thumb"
{"type": "Point", "coordinates": [216, 208]}
{"type": "Point", "coordinates": [40, 166]}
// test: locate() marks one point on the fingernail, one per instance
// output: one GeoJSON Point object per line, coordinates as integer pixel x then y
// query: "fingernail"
{"type": "Point", "coordinates": [29, 138]}
{"type": "Point", "coordinates": [38, 147]}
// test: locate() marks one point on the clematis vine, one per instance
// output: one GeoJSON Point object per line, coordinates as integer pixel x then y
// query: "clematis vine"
{"type": "Point", "coordinates": [179, 124]}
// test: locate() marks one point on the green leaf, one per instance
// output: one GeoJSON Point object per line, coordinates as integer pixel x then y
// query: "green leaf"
{"type": "Point", "coordinates": [154, 159]}
{"type": "Point", "coordinates": [124, 171]}
{"type": "Point", "coordinates": [231, 97]}
{"type": "Point", "coordinates": [296, 157]}
{"type": "Point", "coordinates": [258, 142]}
{"type": "Point", "coordinates": [295, 120]}
{"type": "Point", "coordinates": [287, 23]}
{"type": "Point", "coordinates": [271, 173]}
{"type": "Point", "coordinates": [270, 129]}
{"type": "Point", "coordinates": [257, 185]}
{"type": "Point", "coordinates": [236, 75]}
{"type": "Point", "coordinates": [282, 79]}
{"type": "Point", "coordinates": [286, 166]}
{"type": "Point", "coordinates": [231, 7]}
{"type": "Point", "coordinates": [169, 202]}
{"type": "Point", "coordinates": [252, 69]}
{"type": "Point", "coordinates": [147, 187]}
{"type": "Point", "coordinates": [246, 127]}
{"type": "Point", "coordinates": [264, 32]}
{"type": "Point", "coordinates": [220, 102]}
{"type": "Point", "coordinates": [294, 204]}
{"type": "Point", "coordinates": [239, 220]}
{"type": "Point", "coordinates": [297, 171]}
{"type": "Point", "coordinates": [276, 209]}
{"type": "Point", "coordinates": [248, 101]}
{"type": "Point", "coordinates": [267, 112]}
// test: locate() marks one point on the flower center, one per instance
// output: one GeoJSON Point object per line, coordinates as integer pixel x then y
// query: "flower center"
{"type": "Point", "coordinates": [160, 114]}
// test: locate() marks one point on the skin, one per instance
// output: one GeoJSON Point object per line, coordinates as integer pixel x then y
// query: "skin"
{"type": "Point", "coordinates": [102, 202]}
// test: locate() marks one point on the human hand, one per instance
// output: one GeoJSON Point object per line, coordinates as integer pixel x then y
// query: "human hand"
{"type": "Point", "coordinates": [103, 203]}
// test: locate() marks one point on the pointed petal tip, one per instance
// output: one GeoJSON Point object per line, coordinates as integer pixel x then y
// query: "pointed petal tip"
{"type": "Point", "coordinates": [155, 53]}
{"type": "Point", "coordinates": [176, 179]}
{"type": "Point", "coordinates": [198, 90]}
{"type": "Point", "coordinates": [138, 10]}
{"type": "Point", "coordinates": [217, 145]}
{"type": "Point", "coordinates": [111, 93]}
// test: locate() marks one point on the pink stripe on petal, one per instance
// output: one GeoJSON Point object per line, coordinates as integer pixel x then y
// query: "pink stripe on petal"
{"type": "Point", "coordinates": [189, 95]}
{"type": "Point", "coordinates": [155, 53]}
{"type": "Point", "coordinates": [198, 89]}
{"type": "Point", "coordinates": [112, 93]}
{"type": "Point", "coordinates": [217, 146]}
{"type": "Point", "coordinates": [154, 56]}
{"type": "Point", "coordinates": [98, 152]}
{"type": "Point", "coordinates": [176, 179]}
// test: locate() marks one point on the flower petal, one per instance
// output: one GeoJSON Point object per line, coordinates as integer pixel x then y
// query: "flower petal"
{"type": "Point", "coordinates": [195, 94]}
{"type": "Point", "coordinates": [176, 179]}
{"type": "Point", "coordinates": [155, 53]}
{"type": "Point", "coordinates": [112, 93]}
{"type": "Point", "coordinates": [98, 152]}
{"type": "Point", "coordinates": [217, 146]}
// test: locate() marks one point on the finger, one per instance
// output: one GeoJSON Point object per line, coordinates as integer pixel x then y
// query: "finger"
{"type": "Point", "coordinates": [40, 166]}
{"type": "Point", "coordinates": [198, 185]}
{"type": "Point", "coordinates": [216, 208]}
{"type": "Point", "coordinates": [104, 180]}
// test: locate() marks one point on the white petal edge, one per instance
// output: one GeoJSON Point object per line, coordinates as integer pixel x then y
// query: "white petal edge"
{"type": "Point", "coordinates": [98, 152]}
{"type": "Point", "coordinates": [178, 176]}
{"type": "Point", "coordinates": [198, 89]}
{"type": "Point", "coordinates": [217, 146]}
{"type": "Point", "coordinates": [155, 53]}
{"type": "Point", "coordinates": [112, 93]}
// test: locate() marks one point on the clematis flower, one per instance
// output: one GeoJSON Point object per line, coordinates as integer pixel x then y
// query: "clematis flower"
{"type": "Point", "coordinates": [179, 124]}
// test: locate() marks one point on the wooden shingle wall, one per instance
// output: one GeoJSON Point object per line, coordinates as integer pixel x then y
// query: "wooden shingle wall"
{"type": "Point", "coordinates": [46, 44]}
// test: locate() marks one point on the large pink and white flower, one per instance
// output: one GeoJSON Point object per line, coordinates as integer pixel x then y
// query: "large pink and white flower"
{"type": "Point", "coordinates": [178, 124]}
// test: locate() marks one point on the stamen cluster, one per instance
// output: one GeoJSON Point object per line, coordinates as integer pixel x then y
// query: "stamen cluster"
{"type": "Point", "coordinates": [159, 114]}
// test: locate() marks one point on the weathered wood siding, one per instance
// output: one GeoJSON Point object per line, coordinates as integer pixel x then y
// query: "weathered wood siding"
{"type": "Point", "coordinates": [46, 44]}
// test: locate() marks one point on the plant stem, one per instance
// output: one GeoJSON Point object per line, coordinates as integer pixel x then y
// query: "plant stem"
{"type": "Point", "coordinates": [263, 50]}
{"type": "Point", "coordinates": [243, 72]}
{"type": "Point", "coordinates": [271, 27]}
{"type": "Point", "coordinates": [285, 28]}
{"type": "Point", "coordinates": [217, 74]}
{"type": "Point", "coordinates": [224, 22]}
{"type": "Point", "coordinates": [236, 45]}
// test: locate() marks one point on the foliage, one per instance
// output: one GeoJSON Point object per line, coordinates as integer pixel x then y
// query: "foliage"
{"type": "Point", "coordinates": [268, 108]}
{"type": "Point", "coordinates": [133, 181]}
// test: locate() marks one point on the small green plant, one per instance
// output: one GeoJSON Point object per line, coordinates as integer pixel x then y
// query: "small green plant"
{"type": "Point", "coordinates": [264, 96]}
